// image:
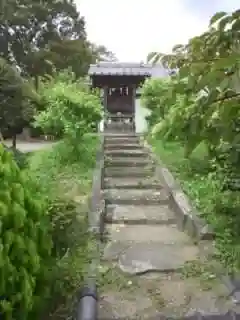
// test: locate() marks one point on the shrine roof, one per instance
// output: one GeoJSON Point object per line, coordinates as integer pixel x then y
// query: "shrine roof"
{"type": "Point", "coordinates": [127, 69]}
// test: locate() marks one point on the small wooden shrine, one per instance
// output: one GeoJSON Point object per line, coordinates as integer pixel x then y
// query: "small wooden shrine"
{"type": "Point", "coordinates": [119, 83]}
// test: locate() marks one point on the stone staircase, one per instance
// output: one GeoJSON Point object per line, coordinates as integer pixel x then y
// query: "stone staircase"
{"type": "Point", "coordinates": [146, 255]}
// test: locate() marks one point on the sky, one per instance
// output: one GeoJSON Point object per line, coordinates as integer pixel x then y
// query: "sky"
{"type": "Point", "coordinates": [133, 28]}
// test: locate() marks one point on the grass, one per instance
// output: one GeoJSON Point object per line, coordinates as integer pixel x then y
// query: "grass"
{"type": "Point", "coordinates": [219, 208]}
{"type": "Point", "coordinates": [64, 174]}
{"type": "Point", "coordinates": [63, 170]}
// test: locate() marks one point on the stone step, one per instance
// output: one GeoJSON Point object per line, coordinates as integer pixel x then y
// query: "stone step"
{"type": "Point", "coordinates": [126, 153]}
{"type": "Point", "coordinates": [158, 214]}
{"type": "Point", "coordinates": [132, 183]}
{"type": "Point", "coordinates": [136, 196]}
{"type": "Point", "coordinates": [126, 162]}
{"type": "Point", "coordinates": [139, 249]}
{"type": "Point", "coordinates": [116, 128]}
{"type": "Point", "coordinates": [125, 146]}
{"type": "Point", "coordinates": [121, 140]}
{"type": "Point", "coordinates": [109, 135]}
{"type": "Point", "coordinates": [128, 172]}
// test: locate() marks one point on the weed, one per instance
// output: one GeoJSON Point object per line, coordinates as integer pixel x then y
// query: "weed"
{"type": "Point", "coordinates": [64, 177]}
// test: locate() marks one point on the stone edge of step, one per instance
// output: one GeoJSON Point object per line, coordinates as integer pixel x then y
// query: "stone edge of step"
{"type": "Point", "coordinates": [190, 221]}
{"type": "Point", "coordinates": [188, 216]}
{"type": "Point", "coordinates": [136, 186]}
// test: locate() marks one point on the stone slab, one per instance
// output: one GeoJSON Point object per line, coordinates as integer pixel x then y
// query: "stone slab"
{"type": "Point", "coordinates": [126, 304]}
{"type": "Point", "coordinates": [126, 153]}
{"type": "Point", "coordinates": [125, 146]}
{"type": "Point", "coordinates": [121, 140]}
{"type": "Point", "coordinates": [187, 296]}
{"type": "Point", "coordinates": [168, 234]}
{"type": "Point", "coordinates": [109, 135]}
{"type": "Point", "coordinates": [128, 172]}
{"type": "Point", "coordinates": [132, 183]}
{"type": "Point", "coordinates": [143, 257]}
{"type": "Point", "coordinates": [112, 250]}
{"type": "Point", "coordinates": [127, 162]}
{"type": "Point", "coordinates": [140, 214]}
{"type": "Point", "coordinates": [131, 196]}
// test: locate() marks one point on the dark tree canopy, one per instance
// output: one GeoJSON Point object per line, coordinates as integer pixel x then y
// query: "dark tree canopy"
{"type": "Point", "coordinates": [39, 39]}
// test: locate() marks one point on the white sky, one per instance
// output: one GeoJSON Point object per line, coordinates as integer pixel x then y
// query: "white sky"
{"type": "Point", "coordinates": [133, 28]}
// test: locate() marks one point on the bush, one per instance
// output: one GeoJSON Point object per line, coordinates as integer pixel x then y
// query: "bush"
{"type": "Point", "coordinates": [71, 110]}
{"type": "Point", "coordinates": [25, 243]}
{"type": "Point", "coordinates": [64, 176]}
{"type": "Point", "coordinates": [19, 157]}
{"type": "Point", "coordinates": [220, 208]}
{"type": "Point", "coordinates": [202, 110]}
{"type": "Point", "coordinates": [154, 94]}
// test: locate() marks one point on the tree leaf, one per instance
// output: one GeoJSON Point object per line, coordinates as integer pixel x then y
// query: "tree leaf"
{"type": "Point", "coordinates": [217, 16]}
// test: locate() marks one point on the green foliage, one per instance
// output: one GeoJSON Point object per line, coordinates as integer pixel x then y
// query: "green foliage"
{"type": "Point", "coordinates": [71, 109]}
{"type": "Point", "coordinates": [54, 39]}
{"type": "Point", "coordinates": [47, 166]}
{"type": "Point", "coordinates": [25, 246]}
{"type": "Point", "coordinates": [206, 91]}
{"type": "Point", "coordinates": [39, 40]}
{"type": "Point", "coordinates": [18, 156]}
{"type": "Point", "coordinates": [220, 208]}
{"type": "Point", "coordinates": [16, 95]}
{"type": "Point", "coordinates": [63, 176]}
{"type": "Point", "coordinates": [153, 97]}
{"type": "Point", "coordinates": [201, 108]}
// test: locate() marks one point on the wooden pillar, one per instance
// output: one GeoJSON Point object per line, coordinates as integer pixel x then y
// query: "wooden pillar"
{"type": "Point", "coordinates": [133, 104]}
{"type": "Point", "coordinates": [105, 96]}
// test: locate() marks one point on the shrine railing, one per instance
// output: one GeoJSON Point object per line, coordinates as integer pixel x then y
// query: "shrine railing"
{"type": "Point", "coordinates": [119, 122]}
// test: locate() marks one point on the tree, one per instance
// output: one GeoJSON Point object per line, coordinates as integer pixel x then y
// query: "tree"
{"type": "Point", "coordinates": [101, 53]}
{"type": "Point", "coordinates": [72, 110]}
{"type": "Point", "coordinates": [40, 38]}
{"type": "Point", "coordinates": [27, 26]}
{"type": "Point", "coordinates": [16, 96]}
{"type": "Point", "coordinates": [74, 54]}
{"type": "Point", "coordinates": [208, 82]}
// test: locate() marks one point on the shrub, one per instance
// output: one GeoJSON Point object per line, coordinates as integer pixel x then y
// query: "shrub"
{"type": "Point", "coordinates": [19, 157]}
{"type": "Point", "coordinates": [25, 246]}
{"type": "Point", "coordinates": [64, 175]}
{"type": "Point", "coordinates": [71, 110]}
{"type": "Point", "coordinates": [203, 110]}
{"type": "Point", "coordinates": [154, 94]}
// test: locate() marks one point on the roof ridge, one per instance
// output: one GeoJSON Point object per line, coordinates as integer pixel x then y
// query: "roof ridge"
{"type": "Point", "coordinates": [126, 68]}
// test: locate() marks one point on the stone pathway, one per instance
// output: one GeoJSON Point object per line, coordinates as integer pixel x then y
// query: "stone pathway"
{"type": "Point", "coordinates": [149, 267]}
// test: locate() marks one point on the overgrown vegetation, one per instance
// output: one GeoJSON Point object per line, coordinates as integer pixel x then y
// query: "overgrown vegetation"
{"type": "Point", "coordinates": [194, 125]}
{"type": "Point", "coordinates": [44, 244]}
{"type": "Point", "coordinates": [44, 237]}
{"type": "Point", "coordinates": [25, 241]}
{"type": "Point", "coordinates": [63, 176]}
{"type": "Point", "coordinates": [71, 109]}
{"type": "Point", "coordinates": [39, 41]}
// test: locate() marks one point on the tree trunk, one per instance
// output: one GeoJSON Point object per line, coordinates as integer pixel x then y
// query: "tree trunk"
{"type": "Point", "coordinates": [1, 137]}
{"type": "Point", "coordinates": [14, 141]}
{"type": "Point", "coordinates": [36, 83]}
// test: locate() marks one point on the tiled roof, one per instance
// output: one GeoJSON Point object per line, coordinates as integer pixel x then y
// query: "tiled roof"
{"type": "Point", "coordinates": [128, 69]}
